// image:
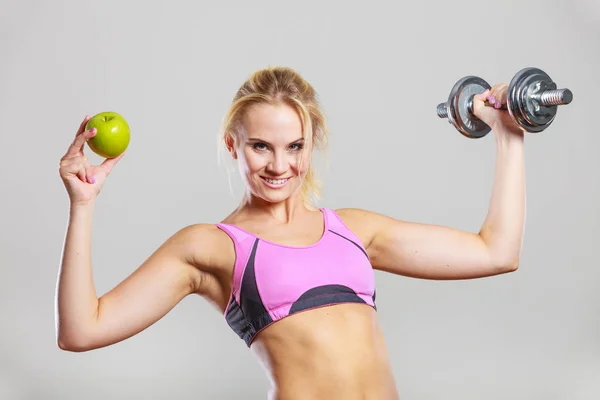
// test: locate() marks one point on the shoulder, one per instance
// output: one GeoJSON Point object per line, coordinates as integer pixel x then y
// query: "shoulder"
{"type": "Point", "coordinates": [363, 223]}
{"type": "Point", "coordinates": [353, 213]}
{"type": "Point", "coordinates": [360, 217]}
{"type": "Point", "coordinates": [204, 245]}
{"type": "Point", "coordinates": [197, 234]}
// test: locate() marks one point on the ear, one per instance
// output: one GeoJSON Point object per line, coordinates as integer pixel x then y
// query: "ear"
{"type": "Point", "coordinates": [230, 144]}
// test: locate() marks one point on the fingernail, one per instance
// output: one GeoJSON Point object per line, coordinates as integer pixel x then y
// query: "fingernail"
{"type": "Point", "coordinates": [497, 105]}
{"type": "Point", "coordinates": [93, 130]}
{"type": "Point", "coordinates": [492, 99]}
{"type": "Point", "coordinates": [93, 179]}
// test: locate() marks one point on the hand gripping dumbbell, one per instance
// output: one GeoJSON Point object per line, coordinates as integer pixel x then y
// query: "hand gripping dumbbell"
{"type": "Point", "coordinates": [532, 102]}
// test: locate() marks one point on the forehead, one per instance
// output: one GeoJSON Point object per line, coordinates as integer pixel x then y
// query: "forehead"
{"type": "Point", "coordinates": [269, 122]}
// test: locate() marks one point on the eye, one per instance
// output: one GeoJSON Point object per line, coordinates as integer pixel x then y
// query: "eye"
{"type": "Point", "coordinates": [296, 146]}
{"type": "Point", "coordinates": [259, 146]}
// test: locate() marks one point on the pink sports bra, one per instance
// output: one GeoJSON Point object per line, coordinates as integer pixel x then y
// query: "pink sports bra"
{"type": "Point", "coordinates": [272, 281]}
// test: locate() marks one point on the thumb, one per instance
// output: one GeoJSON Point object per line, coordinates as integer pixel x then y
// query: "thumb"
{"type": "Point", "coordinates": [482, 96]}
{"type": "Point", "coordinates": [480, 109]}
{"type": "Point", "coordinates": [108, 164]}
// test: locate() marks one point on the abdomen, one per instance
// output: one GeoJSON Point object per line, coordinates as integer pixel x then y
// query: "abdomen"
{"type": "Point", "coordinates": [332, 352]}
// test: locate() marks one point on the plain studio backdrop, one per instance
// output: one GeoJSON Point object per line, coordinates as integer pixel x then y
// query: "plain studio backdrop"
{"type": "Point", "coordinates": [380, 68]}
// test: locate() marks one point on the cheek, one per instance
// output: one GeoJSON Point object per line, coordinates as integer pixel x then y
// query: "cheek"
{"type": "Point", "coordinates": [302, 162]}
{"type": "Point", "coordinates": [251, 162]}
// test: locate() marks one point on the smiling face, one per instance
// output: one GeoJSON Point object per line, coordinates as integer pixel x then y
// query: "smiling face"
{"type": "Point", "coordinates": [270, 152]}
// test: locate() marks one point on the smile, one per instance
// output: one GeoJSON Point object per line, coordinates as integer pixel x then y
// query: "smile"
{"type": "Point", "coordinates": [275, 183]}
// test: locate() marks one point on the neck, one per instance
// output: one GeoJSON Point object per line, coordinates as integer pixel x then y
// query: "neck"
{"type": "Point", "coordinates": [284, 211]}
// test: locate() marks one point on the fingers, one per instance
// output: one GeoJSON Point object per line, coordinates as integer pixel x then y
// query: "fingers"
{"type": "Point", "coordinates": [498, 95]}
{"type": "Point", "coordinates": [495, 96]}
{"type": "Point", "coordinates": [76, 148]}
{"type": "Point", "coordinates": [74, 163]}
{"type": "Point", "coordinates": [89, 175]}
{"type": "Point", "coordinates": [81, 174]}
{"type": "Point", "coordinates": [75, 166]}
{"type": "Point", "coordinates": [504, 94]}
{"type": "Point", "coordinates": [109, 163]}
{"type": "Point", "coordinates": [82, 126]}
{"type": "Point", "coordinates": [483, 96]}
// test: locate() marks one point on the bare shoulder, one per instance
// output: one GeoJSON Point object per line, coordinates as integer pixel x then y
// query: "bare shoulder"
{"type": "Point", "coordinates": [361, 216]}
{"type": "Point", "coordinates": [210, 255]}
{"type": "Point", "coordinates": [363, 223]}
{"type": "Point", "coordinates": [205, 246]}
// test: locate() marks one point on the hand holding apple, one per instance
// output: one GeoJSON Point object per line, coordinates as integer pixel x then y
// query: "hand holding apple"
{"type": "Point", "coordinates": [112, 137]}
{"type": "Point", "coordinates": [82, 180]}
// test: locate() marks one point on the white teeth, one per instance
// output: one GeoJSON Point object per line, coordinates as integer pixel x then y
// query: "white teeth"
{"type": "Point", "coordinates": [276, 181]}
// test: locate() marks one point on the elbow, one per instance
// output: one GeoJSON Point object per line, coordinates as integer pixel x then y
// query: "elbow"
{"type": "Point", "coordinates": [67, 346]}
{"type": "Point", "coordinates": [73, 344]}
{"type": "Point", "coordinates": [503, 260]}
{"type": "Point", "coordinates": [508, 265]}
{"type": "Point", "coordinates": [73, 347]}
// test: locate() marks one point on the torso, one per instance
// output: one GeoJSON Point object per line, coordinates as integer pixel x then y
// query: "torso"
{"type": "Point", "coordinates": [334, 351]}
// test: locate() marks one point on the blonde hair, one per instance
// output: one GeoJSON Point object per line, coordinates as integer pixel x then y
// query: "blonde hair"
{"type": "Point", "coordinates": [277, 86]}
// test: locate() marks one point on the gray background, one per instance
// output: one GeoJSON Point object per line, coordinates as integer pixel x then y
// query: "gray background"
{"type": "Point", "coordinates": [171, 68]}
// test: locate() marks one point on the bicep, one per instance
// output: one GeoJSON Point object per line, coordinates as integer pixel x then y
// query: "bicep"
{"type": "Point", "coordinates": [148, 294]}
{"type": "Point", "coordinates": [422, 250]}
{"type": "Point", "coordinates": [431, 252]}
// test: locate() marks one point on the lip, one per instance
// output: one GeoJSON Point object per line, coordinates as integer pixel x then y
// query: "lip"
{"type": "Point", "coordinates": [274, 186]}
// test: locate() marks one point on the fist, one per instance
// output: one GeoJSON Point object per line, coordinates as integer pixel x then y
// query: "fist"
{"type": "Point", "coordinates": [490, 107]}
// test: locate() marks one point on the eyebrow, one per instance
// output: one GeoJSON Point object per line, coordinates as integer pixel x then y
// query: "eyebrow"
{"type": "Point", "coordinates": [254, 140]}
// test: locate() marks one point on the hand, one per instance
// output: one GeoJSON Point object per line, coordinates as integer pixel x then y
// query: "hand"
{"type": "Point", "coordinates": [492, 114]}
{"type": "Point", "coordinates": [82, 180]}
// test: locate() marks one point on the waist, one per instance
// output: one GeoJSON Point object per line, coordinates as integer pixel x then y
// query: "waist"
{"type": "Point", "coordinates": [333, 352]}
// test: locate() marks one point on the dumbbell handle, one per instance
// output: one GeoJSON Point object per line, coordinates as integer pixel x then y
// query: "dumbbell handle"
{"type": "Point", "coordinates": [555, 97]}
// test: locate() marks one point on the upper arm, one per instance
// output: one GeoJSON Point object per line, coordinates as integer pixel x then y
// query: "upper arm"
{"type": "Point", "coordinates": [421, 250]}
{"type": "Point", "coordinates": [179, 267]}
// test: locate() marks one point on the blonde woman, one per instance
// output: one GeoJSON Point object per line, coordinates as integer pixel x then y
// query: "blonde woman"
{"type": "Point", "coordinates": [295, 282]}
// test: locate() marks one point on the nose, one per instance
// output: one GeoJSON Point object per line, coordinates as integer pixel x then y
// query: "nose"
{"type": "Point", "coordinates": [277, 165]}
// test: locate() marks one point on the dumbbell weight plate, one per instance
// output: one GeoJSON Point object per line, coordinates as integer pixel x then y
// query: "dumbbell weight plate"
{"type": "Point", "coordinates": [523, 99]}
{"type": "Point", "coordinates": [460, 103]}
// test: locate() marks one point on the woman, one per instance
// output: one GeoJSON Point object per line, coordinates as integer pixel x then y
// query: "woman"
{"type": "Point", "coordinates": [295, 282]}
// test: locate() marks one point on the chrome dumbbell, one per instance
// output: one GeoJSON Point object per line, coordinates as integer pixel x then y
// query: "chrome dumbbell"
{"type": "Point", "coordinates": [532, 102]}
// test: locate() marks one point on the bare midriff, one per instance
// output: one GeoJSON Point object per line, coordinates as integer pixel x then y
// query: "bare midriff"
{"type": "Point", "coordinates": [333, 352]}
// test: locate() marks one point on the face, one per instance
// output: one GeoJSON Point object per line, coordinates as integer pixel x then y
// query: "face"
{"type": "Point", "coordinates": [269, 152]}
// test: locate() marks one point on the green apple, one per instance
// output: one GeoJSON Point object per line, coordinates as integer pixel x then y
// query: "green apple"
{"type": "Point", "coordinates": [112, 137]}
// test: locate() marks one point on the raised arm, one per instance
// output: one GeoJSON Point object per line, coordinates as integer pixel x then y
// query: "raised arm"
{"type": "Point", "coordinates": [438, 252]}
{"type": "Point", "coordinates": [86, 322]}
{"type": "Point", "coordinates": [184, 264]}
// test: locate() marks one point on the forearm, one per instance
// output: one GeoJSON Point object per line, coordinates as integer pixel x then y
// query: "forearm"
{"type": "Point", "coordinates": [502, 230]}
{"type": "Point", "coordinates": [76, 299]}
